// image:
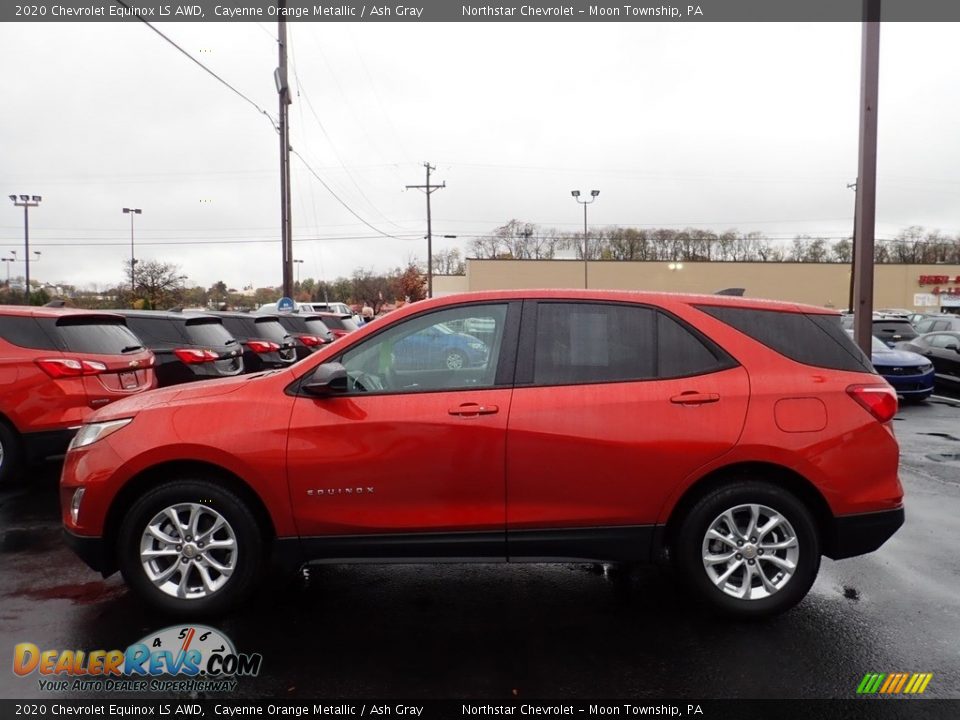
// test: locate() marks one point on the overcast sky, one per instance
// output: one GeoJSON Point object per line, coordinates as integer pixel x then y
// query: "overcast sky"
{"type": "Point", "coordinates": [712, 125]}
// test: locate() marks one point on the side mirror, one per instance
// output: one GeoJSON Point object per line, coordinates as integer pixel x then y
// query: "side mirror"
{"type": "Point", "coordinates": [954, 347]}
{"type": "Point", "coordinates": [328, 379]}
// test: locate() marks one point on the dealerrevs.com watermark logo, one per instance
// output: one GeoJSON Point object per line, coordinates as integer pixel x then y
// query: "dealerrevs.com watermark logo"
{"type": "Point", "coordinates": [181, 658]}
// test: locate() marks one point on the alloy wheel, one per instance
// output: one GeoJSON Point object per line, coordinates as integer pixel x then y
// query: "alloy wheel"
{"type": "Point", "coordinates": [188, 551]}
{"type": "Point", "coordinates": [750, 552]}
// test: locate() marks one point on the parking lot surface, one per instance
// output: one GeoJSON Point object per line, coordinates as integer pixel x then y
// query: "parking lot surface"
{"type": "Point", "coordinates": [535, 631]}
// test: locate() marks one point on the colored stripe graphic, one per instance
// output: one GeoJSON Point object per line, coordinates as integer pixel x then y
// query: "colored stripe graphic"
{"type": "Point", "coordinates": [894, 683]}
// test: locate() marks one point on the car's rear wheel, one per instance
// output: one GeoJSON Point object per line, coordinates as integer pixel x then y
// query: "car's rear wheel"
{"type": "Point", "coordinates": [10, 453]}
{"type": "Point", "coordinates": [749, 549]}
{"type": "Point", "coordinates": [191, 547]}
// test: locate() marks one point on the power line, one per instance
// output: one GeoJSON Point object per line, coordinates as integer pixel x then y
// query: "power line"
{"type": "Point", "coordinates": [204, 67]}
{"type": "Point", "coordinates": [339, 200]}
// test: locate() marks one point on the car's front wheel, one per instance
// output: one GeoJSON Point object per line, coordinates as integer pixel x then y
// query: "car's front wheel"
{"type": "Point", "coordinates": [191, 547]}
{"type": "Point", "coordinates": [749, 549]}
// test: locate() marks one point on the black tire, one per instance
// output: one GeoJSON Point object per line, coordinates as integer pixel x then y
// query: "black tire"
{"type": "Point", "coordinates": [455, 360]}
{"type": "Point", "coordinates": [11, 454]}
{"type": "Point", "coordinates": [689, 549]}
{"type": "Point", "coordinates": [248, 560]}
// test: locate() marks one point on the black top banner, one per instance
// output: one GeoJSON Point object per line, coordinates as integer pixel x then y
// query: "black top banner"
{"type": "Point", "coordinates": [479, 11]}
{"type": "Point", "coordinates": [47, 709]}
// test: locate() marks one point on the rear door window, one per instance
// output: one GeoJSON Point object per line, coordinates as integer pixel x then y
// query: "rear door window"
{"type": "Point", "coordinates": [97, 336]}
{"type": "Point", "coordinates": [580, 343]}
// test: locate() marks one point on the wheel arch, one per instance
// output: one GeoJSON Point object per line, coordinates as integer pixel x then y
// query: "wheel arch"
{"type": "Point", "coordinates": [772, 473]}
{"type": "Point", "coordinates": [153, 477]}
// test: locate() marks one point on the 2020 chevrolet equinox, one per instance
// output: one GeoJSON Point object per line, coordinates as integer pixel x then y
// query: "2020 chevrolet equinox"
{"type": "Point", "coordinates": [739, 440]}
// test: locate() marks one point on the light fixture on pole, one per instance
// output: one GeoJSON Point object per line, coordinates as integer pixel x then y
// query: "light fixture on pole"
{"type": "Point", "coordinates": [26, 202]}
{"type": "Point", "coordinates": [298, 264]}
{"type": "Point", "coordinates": [133, 261]}
{"type": "Point", "coordinates": [576, 196]}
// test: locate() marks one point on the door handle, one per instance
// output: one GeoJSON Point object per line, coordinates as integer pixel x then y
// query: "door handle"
{"type": "Point", "coordinates": [473, 409]}
{"type": "Point", "coordinates": [691, 397]}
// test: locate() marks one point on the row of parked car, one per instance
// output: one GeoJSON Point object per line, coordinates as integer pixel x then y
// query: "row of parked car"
{"type": "Point", "coordinates": [58, 365]}
{"type": "Point", "coordinates": [915, 352]}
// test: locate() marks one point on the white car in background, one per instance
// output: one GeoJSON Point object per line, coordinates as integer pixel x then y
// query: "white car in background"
{"type": "Point", "coordinates": [339, 308]}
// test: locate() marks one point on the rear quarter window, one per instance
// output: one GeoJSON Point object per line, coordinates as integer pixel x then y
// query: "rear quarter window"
{"type": "Point", "coordinates": [25, 332]}
{"type": "Point", "coordinates": [813, 339]}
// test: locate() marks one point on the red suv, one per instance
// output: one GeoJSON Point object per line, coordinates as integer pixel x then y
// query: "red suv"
{"type": "Point", "coordinates": [56, 367]}
{"type": "Point", "coordinates": [738, 440]}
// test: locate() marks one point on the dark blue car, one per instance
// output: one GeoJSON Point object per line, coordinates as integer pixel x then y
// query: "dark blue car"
{"type": "Point", "coordinates": [910, 374]}
{"type": "Point", "coordinates": [438, 347]}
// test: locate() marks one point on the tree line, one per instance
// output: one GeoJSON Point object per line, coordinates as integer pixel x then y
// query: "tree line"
{"type": "Point", "coordinates": [518, 240]}
{"type": "Point", "coordinates": [159, 285]}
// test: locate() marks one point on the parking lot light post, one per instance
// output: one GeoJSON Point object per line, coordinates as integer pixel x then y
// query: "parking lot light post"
{"type": "Point", "coordinates": [8, 261]}
{"type": "Point", "coordinates": [298, 263]}
{"type": "Point", "coordinates": [576, 196]}
{"type": "Point", "coordinates": [26, 202]}
{"type": "Point", "coordinates": [133, 261]}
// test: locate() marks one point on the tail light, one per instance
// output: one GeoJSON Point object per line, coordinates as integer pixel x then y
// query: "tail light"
{"type": "Point", "coordinates": [339, 333]}
{"type": "Point", "coordinates": [69, 367]}
{"type": "Point", "coordinates": [262, 346]}
{"type": "Point", "coordinates": [879, 400]}
{"type": "Point", "coordinates": [311, 340]}
{"type": "Point", "coordinates": [194, 356]}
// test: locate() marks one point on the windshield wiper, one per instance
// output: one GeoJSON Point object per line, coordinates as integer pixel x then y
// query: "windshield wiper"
{"type": "Point", "coordinates": [131, 348]}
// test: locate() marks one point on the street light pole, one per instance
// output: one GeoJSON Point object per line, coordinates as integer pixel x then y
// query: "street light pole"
{"type": "Point", "coordinates": [26, 202]}
{"type": "Point", "coordinates": [298, 263]}
{"type": "Point", "coordinates": [133, 261]}
{"type": "Point", "coordinates": [8, 261]}
{"type": "Point", "coordinates": [576, 196]}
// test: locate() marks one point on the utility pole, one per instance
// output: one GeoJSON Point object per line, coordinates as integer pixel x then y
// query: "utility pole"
{"type": "Point", "coordinates": [865, 218]}
{"type": "Point", "coordinates": [853, 255]}
{"type": "Point", "coordinates": [283, 91]}
{"type": "Point", "coordinates": [428, 189]}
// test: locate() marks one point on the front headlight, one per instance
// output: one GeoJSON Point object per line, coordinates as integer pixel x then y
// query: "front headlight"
{"type": "Point", "coordinates": [478, 346]}
{"type": "Point", "coordinates": [924, 369]}
{"type": "Point", "coordinates": [89, 434]}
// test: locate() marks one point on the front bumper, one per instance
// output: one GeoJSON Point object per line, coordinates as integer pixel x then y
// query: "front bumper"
{"type": "Point", "coordinates": [852, 535]}
{"type": "Point", "coordinates": [91, 550]}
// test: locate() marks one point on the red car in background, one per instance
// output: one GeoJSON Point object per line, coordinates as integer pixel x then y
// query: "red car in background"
{"type": "Point", "coordinates": [738, 440]}
{"type": "Point", "coordinates": [57, 366]}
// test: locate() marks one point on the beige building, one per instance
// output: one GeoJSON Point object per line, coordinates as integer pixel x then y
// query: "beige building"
{"type": "Point", "coordinates": [924, 288]}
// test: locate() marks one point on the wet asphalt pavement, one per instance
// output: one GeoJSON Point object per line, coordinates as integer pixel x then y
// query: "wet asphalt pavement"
{"type": "Point", "coordinates": [535, 631]}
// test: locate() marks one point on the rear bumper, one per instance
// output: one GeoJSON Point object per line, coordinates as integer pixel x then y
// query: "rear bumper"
{"type": "Point", "coordinates": [91, 550]}
{"type": "Point", "coordinates": [40, 445]}
{"type": "Point", "coordinates": [852, 535]}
